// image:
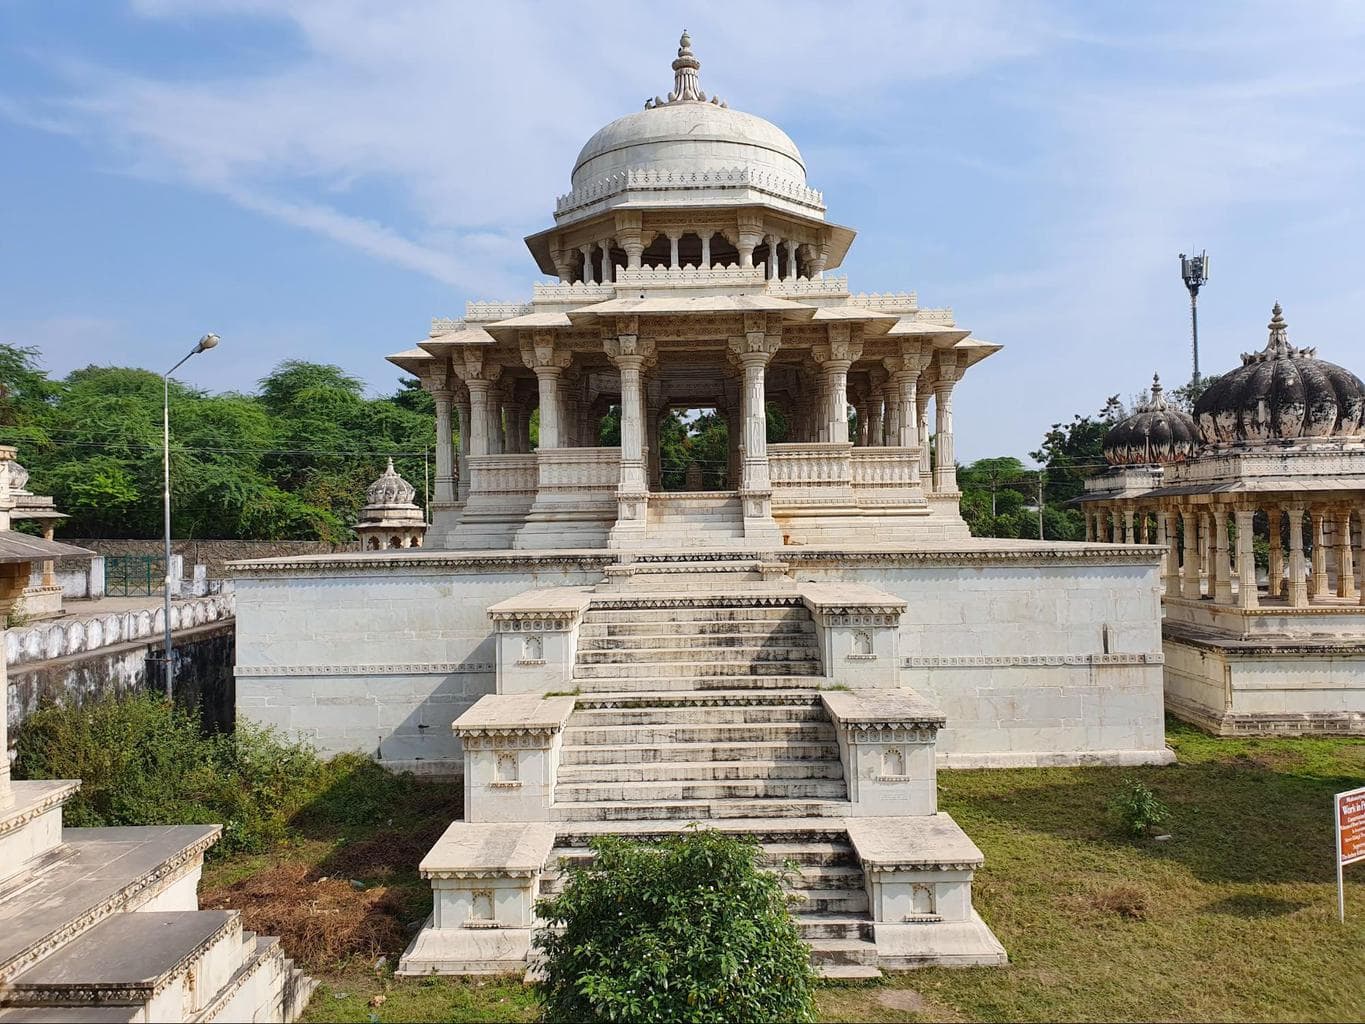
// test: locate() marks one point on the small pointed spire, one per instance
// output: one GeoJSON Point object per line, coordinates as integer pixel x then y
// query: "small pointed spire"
{"type": "Point", "coordinates": [390, 469]}
{"type": "Point", "coordinates": [1279, 333]}
{"type": "Point", "coordinates": [686, 85]}
{"type": "Point", "coordinates": [1157, 403]}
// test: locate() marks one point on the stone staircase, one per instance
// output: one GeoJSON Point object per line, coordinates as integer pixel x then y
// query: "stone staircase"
{"type": "Point", "coordinates": [103, 924]}
{"type": "Point", "coordinates": [695, 520]}
{"type": "Point", "coordinates": [630, 643]}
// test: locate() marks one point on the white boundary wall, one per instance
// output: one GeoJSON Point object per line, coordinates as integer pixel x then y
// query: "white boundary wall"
{"type": "Point", "coordinates": [1038, 654]}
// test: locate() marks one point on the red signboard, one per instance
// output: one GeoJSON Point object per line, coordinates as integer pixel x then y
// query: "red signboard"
{"type": "Point", "coordinates": [1351, 826]}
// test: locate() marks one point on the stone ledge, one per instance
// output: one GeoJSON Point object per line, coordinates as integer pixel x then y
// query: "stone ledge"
{"type": "Point", "coordinates": [551, 608]}
{"type": "Point", "coordinates": [881, 709]}
{"type": "Point", "coordinates": [851, 599]}
{"type": "Point", "coordinates": [914, 843]}
{"type": "Point", "coordinates": [32, 799]}
{"type": "Point", "coordinates": [471, 850]}
{"type": "Point", "coordinates": [514, 714]}
{"type": "Point", "coordinates": [1206, 638]}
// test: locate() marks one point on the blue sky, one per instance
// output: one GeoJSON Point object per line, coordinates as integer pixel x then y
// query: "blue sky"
{"type": "Point", "coordinates": [318, 178]}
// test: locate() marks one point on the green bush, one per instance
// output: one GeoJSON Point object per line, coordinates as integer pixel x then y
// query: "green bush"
{"type": "Point", "coordinates": [690, 928]}
{"type": "Point", "coordinates": [1136, 809]}
{"type": "Point", "coordinates": [142, 761]}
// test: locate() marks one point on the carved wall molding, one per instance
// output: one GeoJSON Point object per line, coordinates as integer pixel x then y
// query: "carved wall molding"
{"type": "Point", "coordinates": [412, 668]}
{"type": "Point", "coordinates": [1018, 660]}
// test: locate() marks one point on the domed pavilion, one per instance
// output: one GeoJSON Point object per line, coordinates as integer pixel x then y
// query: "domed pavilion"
{"type": "Point", "coordinates": [1279, 461]}
{"type": "Point", "coordinates": [390, 518]}
{"type": "Point", "coordinates": [597, 652]}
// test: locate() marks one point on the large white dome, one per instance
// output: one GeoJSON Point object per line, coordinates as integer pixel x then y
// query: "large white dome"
{"type": "Point", "coordinates": [688, 137]}
{"type": "Point", "coordinates": [688, 150]}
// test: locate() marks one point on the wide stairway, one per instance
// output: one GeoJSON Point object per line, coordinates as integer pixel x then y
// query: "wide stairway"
{"type": "Point", "coordinates": [628, 643]}
{"type": "Point", "coordinates": [708, 709]}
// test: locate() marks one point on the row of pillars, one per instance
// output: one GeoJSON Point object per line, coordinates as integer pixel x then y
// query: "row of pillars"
{"type": "Point", "coordinates": [592, 262]}
{"type": "Point", "coordinates": [1208, 555]}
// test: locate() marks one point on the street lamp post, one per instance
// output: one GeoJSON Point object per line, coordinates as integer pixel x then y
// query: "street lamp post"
{"type": "Point", "coordinates": [1194, 270]}
{"type": "Point", "coordinates": [205, 343]}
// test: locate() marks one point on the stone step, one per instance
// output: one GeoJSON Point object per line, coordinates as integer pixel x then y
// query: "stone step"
{"type": "Point", "coordinates": [653, 628]}
{"type": "Point", "coordinates": [712, 698]}
{"type": "Point", "coordinates": [630, 685]}
{"type": "Point", "coordinates": [673, 789]}
{"type": "Point", "coordinates": [812, 853]}
{"type": "Point", "coordinates": [709, 654]}
{"type": "Point", "coordinates": [698, 810]}
{"type": "Point", "coordinates": [830, 901]}
{"type": "Point", "coordinates": [627, 610]}
{"type": "Point", "coordinates": [838, 972]}
{"type": "Point", "coordinates": [701, 732]}
{"type": "Point", "coordinates": [166, 961]}
{"type": "Point", "coordinates": [677, 670]}
{"type": "Point", "coordinates": [97, 872]}
{"type": "Point", "coordinates": [593, 718]}
{"type": "Point", "coordinates": [844, 952]}
{"type": "Point", "coordinates": [828, 877]}
{"type": "Point", "coordinates": [832, 926]}
{"type": "Point", "coordinates": [622, 756]}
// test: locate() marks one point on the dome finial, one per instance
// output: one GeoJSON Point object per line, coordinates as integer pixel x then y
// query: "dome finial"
{"type": "Point", "coordinates": [686, 86]}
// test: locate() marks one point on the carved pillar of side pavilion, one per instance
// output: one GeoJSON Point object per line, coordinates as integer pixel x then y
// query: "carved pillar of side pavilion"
{"type": "Point", "coordinates": [1189, 520]}
{"type": "Point", "coordinates": [926, 392]}
{"type": "Point", "coordinates": [1317, 521]}
{"type": "Point", "coordinates": [629, 352]}
{"type": "Point", "coordinates": [1246, 558]}
{"type": "Point", "coordinates": [479, 376]}
{"type": "Point", "coordinates": [1275, 580]}
{"type": "Point", "coordinates": [1167, 534]}
{"type": "Point", "coordinates": [14, 577]}
{"type": "Point", "coordinates": [752, 352]}
{"type": "Point", "coordinates": [1346, 570]}
{"type": "Point", "coordinates": [445, 469]}
{"type": "Point", "coordinates": [945, 469]}
{"type": "Point", "coordinates": [1298, 581]}
{"type": "Point", "coordinates": [835, 356]}
{"type": "Point", "coordinates": [462, 455]}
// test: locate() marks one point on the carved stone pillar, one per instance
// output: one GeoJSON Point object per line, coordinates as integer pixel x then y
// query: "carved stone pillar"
{"type": "Point", "coordinates": [445, 470]}
{"type": "Point", "coordinates": [945, 471]}
{"type": "Point", "coordinates": [563, 261]}
{"type": "Point", "coordinates": [1246, 559]}
{"type": "Point", "coordinates": [630, 236]}
{"type": "Point", "coordinates": [1275, 569]}
{"type": "Point", "coordinates": [541, 355]}
{"type": "Point", "coordinates": [1360, 553]}
{"type": "Point", "coordinates": [1128, 526]}
{"type": "Point", "coordinates": [629, 353]}
{"type": "Point", "coordinates": [49, 566]}
{"type": "Point", "coordinates": [706, 249]}
{"type": "Point", "coordinates": [791, 261]}
{"type": "Point", "coordinates": [1088, 515]}
{"type": "Point", "coordinates": [586, 251]}
{"type": "Point", "coordinates": [922, 416]}
{"type": "Point", "coordinates": [770, 268]}
{"type": "Point", "coordinates": [1298, 583]}
{"type": "Point", "coordinates": [891, 425]}
{"type": "Point", "coordinates": [1222, 567]}
{"type": "Point", "coordinates": [1189, 520]}
{"type": "Point", "coordinates": [753, 352]}
{"type": "Point", "coordinates": [462, 456]}
{"type": "Point", "coordinates": [835, 356]}
{"type": "Point", "coordinates": [1346, 570]}
{"type": "Point", "coordinates": [606, 261]}
{"type": "Point", "coordinates": [876, 396]}
{"type": "Point", "coordinates": [1168, 536]}
{"type": "Point", "coordinates": [479, 415]}
{"type": "Point", "coordinates": [1317, 519]}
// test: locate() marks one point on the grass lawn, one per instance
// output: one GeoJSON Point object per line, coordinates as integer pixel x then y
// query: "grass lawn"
{"type": "Point", "coordinates": [1232, 918]}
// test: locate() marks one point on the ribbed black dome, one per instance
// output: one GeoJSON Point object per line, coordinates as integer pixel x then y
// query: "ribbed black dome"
{"type": "Point", "coordinates": [1156, 433]}
{"type": "Point", "coordinates": [1281, 393]}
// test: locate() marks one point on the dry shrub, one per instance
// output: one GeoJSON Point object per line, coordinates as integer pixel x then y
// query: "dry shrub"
{"type": "Point", "coordinates": [321, 922]}
{"type": "Point", "coordinates": [1126, 901]}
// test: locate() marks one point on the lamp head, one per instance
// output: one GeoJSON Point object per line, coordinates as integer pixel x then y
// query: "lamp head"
{"type": "Point", "coordinates": [206, 342]}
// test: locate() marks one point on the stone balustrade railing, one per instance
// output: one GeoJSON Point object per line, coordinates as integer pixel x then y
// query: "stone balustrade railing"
{"type": "Point", "coordinates": [811, 465]}
{"type": "Point", "coordinates": [78, 634]}
{"type": "Point", "coordinates": [810, 287]}
{"type": "Point", "coordinates": [886, 302]}
{"type": "Point", "coordinates": [579, 469]}
{"type": "Point", "coordinates": [649, 178]}
{"type": "Point", "coordinates": [733, 274]}
{"type": "Point", "coordinates": [503, 474]}
{"type": "Point", "coordinates": [884, 467]}
{"type": "Point", "coordinates": [576, 292]}
{"type": "Point", "coordinates": [485, 311]}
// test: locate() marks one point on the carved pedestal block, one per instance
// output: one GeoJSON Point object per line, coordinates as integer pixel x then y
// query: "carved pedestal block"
{"type": "Point", "coordinates": [511, 754]}
{"type": "Point", "coordinates": [485, 879]}
{"type": "Point", "coordinates": [886, 744]}
{"type": "Point", "coordinates": [859, 631]}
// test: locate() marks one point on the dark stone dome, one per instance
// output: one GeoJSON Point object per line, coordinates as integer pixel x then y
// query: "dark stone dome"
{"type": "Point", "coordinates": [1157, 433]}
{"type": "Point", "coordinates": [1280, 394]}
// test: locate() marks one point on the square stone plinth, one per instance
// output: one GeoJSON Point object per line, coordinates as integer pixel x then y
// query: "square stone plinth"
{"type": "Point", "coordinates": [470, 850]}
{"type": "Point", "coordinates": [515, 713]}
